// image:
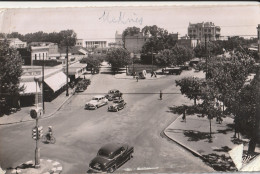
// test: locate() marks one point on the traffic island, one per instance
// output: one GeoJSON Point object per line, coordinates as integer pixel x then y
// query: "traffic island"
{"type": "Point", "coordinates": [193, 135]}
{"type": "Point", "coordinates": [47, 166]}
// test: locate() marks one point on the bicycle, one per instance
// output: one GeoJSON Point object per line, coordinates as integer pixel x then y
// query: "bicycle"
{"type": "Point", "coordinates": [51, 140]}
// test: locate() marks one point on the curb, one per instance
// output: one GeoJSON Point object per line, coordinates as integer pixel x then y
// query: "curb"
{"type": "Point", "coordinates": [48, 116]}
{"type": "Point", "coordinates": [56, 169]}
{"type": "Point", "coordinates": [181, 144]}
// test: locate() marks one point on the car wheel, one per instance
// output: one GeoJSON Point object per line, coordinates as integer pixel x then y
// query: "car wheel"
{"type": "Point", "coordinates": [116, 109]}
{"type": "Point", "coordinates": [112, 169]}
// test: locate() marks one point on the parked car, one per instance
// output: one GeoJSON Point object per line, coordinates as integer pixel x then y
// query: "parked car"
{"type": "Point", "coordinates": [184, 67]}
{"type": "Point", "coordinates": [113, 93]}
{"type": "Point", "coordinates": [110, 157]}
{"type": "Point", "coordinates": [96, 102]}
{"type": "Point", "coordinates": [176, 70]}
{"type": "Point", "coordinates": [82, 85]}
{"type": "Point", "coordinates": [118, 104]}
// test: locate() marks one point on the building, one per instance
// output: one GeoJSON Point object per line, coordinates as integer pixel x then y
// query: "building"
{"type": "Point", "coordinates": [205, 29]}
{"type": "Point", "coordinates": [258, 38]}
{"type": "Point", "coordinates": [91, 43]}
{"type": "Point", "coordinates": [54, 84]}
{"type": "Point", "coordinates": [135, 42]}
{"type": "Point", "coordinates": [15, 42]}
{"type": "Point", "coordinates": [189, 43]}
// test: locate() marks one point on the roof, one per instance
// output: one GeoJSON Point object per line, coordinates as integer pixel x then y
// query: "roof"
{"type": "Point", "coordinates": [73, 49]}
{"type": "Point", "coordinates": [98, 96]}
{"type": "Point", "coordinates": [111, 147]}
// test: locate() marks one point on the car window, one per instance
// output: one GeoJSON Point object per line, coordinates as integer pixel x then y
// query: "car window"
{"type": "Point", "coordinates": [94, 98]}
{"type": "Point", "coordinates": [103, 153]}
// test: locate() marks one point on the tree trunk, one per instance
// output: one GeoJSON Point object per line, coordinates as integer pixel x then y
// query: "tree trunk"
{"type": "Point", "coordinates": [210, 128]}
{"type": "Point", "coordinates": [195, 102]}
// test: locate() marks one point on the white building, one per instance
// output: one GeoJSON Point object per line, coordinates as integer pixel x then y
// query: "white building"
{"type": "Point", "coordinates": [91, 43]}
{"type": "Point", "coordinates": [15, 42]}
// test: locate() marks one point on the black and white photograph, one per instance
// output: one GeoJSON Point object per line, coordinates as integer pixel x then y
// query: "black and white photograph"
{"type": "Point", "coordinates": [129, 87]}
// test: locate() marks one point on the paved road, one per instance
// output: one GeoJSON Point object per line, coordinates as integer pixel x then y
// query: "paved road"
{"type": "Point", "coordinates": [80, 133]}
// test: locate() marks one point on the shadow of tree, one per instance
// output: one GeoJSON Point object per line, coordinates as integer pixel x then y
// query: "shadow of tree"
{"type": "Point", "coordinates": [223, 149]}
{"type": "Point", "coordinates": [196, 135]}
{"type": "Point", "coordinates": [225, 131]}
{"type": "Point", "coordinates": [238, 141]}
{"type": "Point", "coordinates": [219, 162]}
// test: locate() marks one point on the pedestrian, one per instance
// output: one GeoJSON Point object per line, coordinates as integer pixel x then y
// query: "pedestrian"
{"type": "Point", "coordinates": [155, 74]}
{"type": "Point", "coordinates": [137, 78]}
{"type": "Point", "coordinates": [152, 73]}
{"type": "Point", "coordinates": [163, 71]}
{"type": "Point", "coordinates": [160, 94]}
{"type": "Point", "coordinates": [184, 116]}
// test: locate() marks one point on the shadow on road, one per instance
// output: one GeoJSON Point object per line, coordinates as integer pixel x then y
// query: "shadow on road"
{"type": "Point", "coordinates": [197, 135]}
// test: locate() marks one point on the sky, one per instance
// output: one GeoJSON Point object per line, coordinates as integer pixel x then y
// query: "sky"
{"type": "Point", "coordinates": [101, 23]}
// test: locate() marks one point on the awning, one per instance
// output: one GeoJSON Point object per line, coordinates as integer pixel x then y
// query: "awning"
{"type": "Point", "coordinates": [56, 81]}
{"type": "Point", "coordinates": [29, 88]}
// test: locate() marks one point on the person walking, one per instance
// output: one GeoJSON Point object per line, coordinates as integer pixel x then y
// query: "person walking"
{"type": "Point", "coordinates": [184, 116]}
{"type": "Point", "coordinates": [160, 94]}
{"type": "Point", "coordinates": [137, 78]}
{"type": "Point", "coordinates": [155, 74]}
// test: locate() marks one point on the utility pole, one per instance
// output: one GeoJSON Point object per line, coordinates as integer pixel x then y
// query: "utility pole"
{"type": "Point", "coordinates": [67, 71]}
{"type": "Point", "coordinates": [152, 58]}
{"type": "Point", "coordinates": [206, 55]}
{"type": "Point", "coordinates": [43, 108]}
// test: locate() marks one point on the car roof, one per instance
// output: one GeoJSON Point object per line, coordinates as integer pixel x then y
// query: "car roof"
{"type": "Point", "coordinates": [177, 68]}
{"type": "Point", "coordinates": [111, 147]}
{"type": "Point", "coordinates": [98, 96]}
{"type": "Point", "coordinates": [113, 90]}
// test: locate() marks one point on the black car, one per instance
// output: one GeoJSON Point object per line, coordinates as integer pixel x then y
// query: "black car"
{"type": "Point", "coordinates": [118, 104]}
{"type": "Point", "coordinates": [113, 93]}
{"type": "Point", "coordinates": [110, 157]}
{"type": "Point", "coordinates": [176, 70]}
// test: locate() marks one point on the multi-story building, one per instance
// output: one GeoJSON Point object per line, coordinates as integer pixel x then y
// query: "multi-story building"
{"type": "Point", "coordinates": [15, 42]}
{"type": "Point", "coordinates": [205, 29]}
{"type": "Point", "coordinates": [258, 38]}
{"type": "Point", "coordinates": [91, 43]}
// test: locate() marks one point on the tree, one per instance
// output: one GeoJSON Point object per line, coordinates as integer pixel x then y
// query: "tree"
{"type": "Point", "coordinates": [92, 61]}
{"type": "Point", "coordinates": [247, 112]}
{"type": "Point", "coordinates": [129, 31]}
{"type": "Point", "coordinates": [191, 87]}
{"type": "Point", "coordinates": [118, 57]}
{"type": "Point", "coordinates": [10, 73]}
{"type": "Point", "coordinates": [165, 58]}
{"type": "Point", "coordinates": [69, 38]}
{"type": "Point", "coordinates": [182, 54]}
{"type": "Point", "coordinates": [213, 49]}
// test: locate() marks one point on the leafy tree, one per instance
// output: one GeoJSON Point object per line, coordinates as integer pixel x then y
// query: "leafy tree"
{"type": "Point", "coordinates": [182, 54]}
{"type": "Point", "coordinates": [129, 31]}
{"type": "Point", "coordinates": [191, 87]}
{"type": "Point", "coordinates": [92, 61]}
{"type": "Point", "coordinates": [213, 49]}
{"type": "Point", "coordinates": [247, 113]}
{"type": "Point", "coordinates": [165, 58]}
{"type": "Point", "coordinates": [118, 57]}
{"type": "Point", "coordinates": [10, 73]}
{"type": "Point", "coordinates": [69, 38]}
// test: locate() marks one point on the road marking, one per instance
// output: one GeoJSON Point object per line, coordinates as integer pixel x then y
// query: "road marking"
{"type": "Point", "coordinates": [147, 168]}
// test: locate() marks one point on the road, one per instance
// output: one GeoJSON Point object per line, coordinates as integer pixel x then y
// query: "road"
{"type": "Point", "coordinates": [80, 133]}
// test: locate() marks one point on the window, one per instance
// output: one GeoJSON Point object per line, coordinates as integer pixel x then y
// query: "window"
{"type": "Point", "coordinates": [209, 30]}
{"type": "Point", "coordinates": [35, 56]}
{"type": "Point", "coordinates": [43, 55]}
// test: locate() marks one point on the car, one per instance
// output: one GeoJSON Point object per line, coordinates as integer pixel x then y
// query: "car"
{"type": "Point", "coordinates": [96, 102]}
{"type": "Point", "coordinates": [184, 67]}
{"type": "Point", "coordinates": [118, 104]}
{"type": "Point", "coordinates": [176, 70]}
{"type": "Point", "coordinates": [113, 93]}
{"type": "Point", "coordinates": [110, 157]}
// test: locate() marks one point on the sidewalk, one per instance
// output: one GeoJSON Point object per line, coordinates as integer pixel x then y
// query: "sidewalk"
{"type": "Point", "coordinates": [47, 166]}
{"type": "Point", "coordinates": [193, 135]}
{"type": "Point", "coordinates": [50, 109]}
